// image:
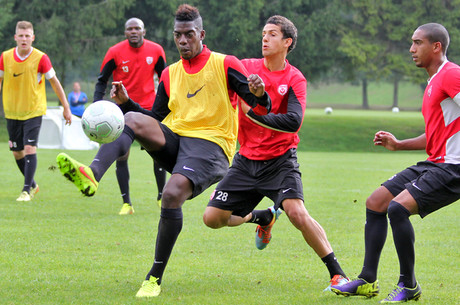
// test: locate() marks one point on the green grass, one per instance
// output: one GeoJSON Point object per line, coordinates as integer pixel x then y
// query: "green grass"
{"type": "Point", "coordinates": [63, 248]}
{"type": "Point", "coordinates": [380, 95]}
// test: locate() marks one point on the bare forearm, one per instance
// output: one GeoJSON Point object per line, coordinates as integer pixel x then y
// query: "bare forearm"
{"type": "Point", "coordinates": [56, 85]}
{"type": "Point", "coordinates": [418, 143]}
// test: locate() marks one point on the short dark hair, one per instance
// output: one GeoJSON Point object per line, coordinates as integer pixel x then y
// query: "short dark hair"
{"type": "Point", "coordinates": [436, 32]}
{"type": "Point", "coordinates": [186, 13]}
{"type": "Point", "coordinates": [287, 28]}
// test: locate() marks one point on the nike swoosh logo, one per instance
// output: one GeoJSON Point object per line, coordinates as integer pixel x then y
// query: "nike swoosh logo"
{"type": "Point", "coordinates": [189, 95]}
{"type": "Point", "coordinates": [30, 141]}
{"type": "Point", "coordinates": [125, 61]}
{"type": "Point", "coordinates": [16, 75]}
{"type": "Point", "coordinates": [188, 168]}
{"type": "Point", "coordinates": [286, 190]}
{"type": "Point", "coordinates": [82, 170]}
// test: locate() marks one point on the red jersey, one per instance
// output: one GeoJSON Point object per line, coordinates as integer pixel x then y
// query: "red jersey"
{"type": "Point", "coordinates": [135, 67]}
{"type": "Point", "coordinates": [441, 111]}
{"type": "Point", "coordinates": [264, 137]}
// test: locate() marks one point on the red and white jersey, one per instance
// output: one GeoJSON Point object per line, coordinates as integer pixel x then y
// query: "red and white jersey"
{"type": "Point", "coordinates": [441, 111]}
{"type": "Point", "coordinates": [135, 67]}
{"type": "Point", "coordinates": [264, 137]}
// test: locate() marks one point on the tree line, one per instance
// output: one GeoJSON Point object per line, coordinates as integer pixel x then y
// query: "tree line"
{"type": "Point", "coordinates": [357, 41]}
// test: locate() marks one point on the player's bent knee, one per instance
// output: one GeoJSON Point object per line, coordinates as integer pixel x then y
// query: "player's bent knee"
{"type": "Point", "coordinates": [212, 221]}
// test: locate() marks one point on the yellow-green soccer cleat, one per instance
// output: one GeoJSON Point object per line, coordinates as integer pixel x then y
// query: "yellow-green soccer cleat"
{"type": "Point", "coordinates": [126, 209]}
{"type": "Point", "coordinates": [149, 288]}
{"type": "Point", "coordinates": [159, 203]}
{"type": "Point", "coordinates": [357, 287]}
{"type": "Point", "coordinates": [82, 176]}
{"type": "Point", "coordinates": [33, 191]}
{"type": "Point", "coordinates": [23, 197]}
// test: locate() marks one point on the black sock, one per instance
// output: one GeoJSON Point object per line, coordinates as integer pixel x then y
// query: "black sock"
{"type": "Point", "coordinates": [122, 172]}
{"type": "Point", "coordinates": [261, 217]}
{"type": "Point", "coordinates": [21, 163]}
{"type": "Point", "coordinates": [30, 167]}
{"type": "Point", "coordinates": [404, 238]}
{"type": "Point", "coordinates": [169, 228]}
{"type": "Point", "coordinates": [375, 234]}
{"type": "Point", "coordinates": [110, 152]}
{"type": "Point", "coordinates": [333, 265]}
{"type": "Point", "coordinates": [160, 177]}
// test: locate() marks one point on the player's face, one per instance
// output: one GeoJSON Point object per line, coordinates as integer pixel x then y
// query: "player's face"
{"type": "Point", "coordinates": [273, 42]}
{"type": "Point", "coordinates": [188, 39]}
{"type": "Point", "coordinates": [135, 32]}
{"type": "Point", "coordinates": [421, 49]}
{"type": "Point", "coordinates": [24, 39]}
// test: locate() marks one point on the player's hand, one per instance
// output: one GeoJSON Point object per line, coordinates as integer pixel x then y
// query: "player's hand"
{"type": "Point", "coordinates": [256, 85]}
{"type": "Point", "coordinates": [386, 139]}
{"type": "Point", "coordinates": [67, 116]}
{"type": "Point", "coordinates": [119, 93]}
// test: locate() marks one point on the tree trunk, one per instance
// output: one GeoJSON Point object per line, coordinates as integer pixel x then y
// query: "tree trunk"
{"type": "Point", "coordinates": [365, 100]}
{"type": "Point", "coordinates": [395, 92]}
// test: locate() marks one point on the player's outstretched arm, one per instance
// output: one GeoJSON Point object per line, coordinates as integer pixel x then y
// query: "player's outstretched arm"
{"type": "Point", "coordinates": [390, 142]}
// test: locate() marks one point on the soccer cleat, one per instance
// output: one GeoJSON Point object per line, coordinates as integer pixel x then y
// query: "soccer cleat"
{"type": "Point", "coordinates": [159, 203]}
{"type": "Point", "coordinates": [337, 280]}
{"type": "Point", "coordinates": [126, 209]}
{"type": "Point", "coordinates": [357, 287]}
{"type": "Point", "coordinates": [403, 294]}
{"type": "Point", "coordinates": [82, 176]}
{"type": "Point", "coordinates": [23, 197]}
{"type": "Point", "coordinates": [263, 233]}
{"type": "Point", "coordinates": [149, 288]}
{"type": "Point", "coordinates": [33, 191]}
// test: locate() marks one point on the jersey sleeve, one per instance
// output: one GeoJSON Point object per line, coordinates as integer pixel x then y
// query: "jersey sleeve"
{"type": "Point", "coordinates": [237, 81]}
{"type": "Point", "coordinates": [45, 67]}
{"type": "Point", "coordinates": [2, 67]}
{"type": "Point", "coordinates": [452, 85]}
{"type": "Point", "coordinates": [161, 62]}
{"type": "Point", "coordinates": [107, 68]}
{"type": "Point", "coordinates": [291, 121]}
{"type": "Point", "coordinates": [160, 107]}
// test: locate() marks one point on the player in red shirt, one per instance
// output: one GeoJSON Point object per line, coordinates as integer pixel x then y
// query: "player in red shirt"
{"type": "Point", "coordinates": [134, 62]}
{"type": "Point", "coordinates": [422, 188]}
{"type": "Point", "coordinates": [266, 164]}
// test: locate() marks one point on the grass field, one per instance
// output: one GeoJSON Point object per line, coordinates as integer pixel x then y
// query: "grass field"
{"type": "Point", "coordinates": [63, 248]}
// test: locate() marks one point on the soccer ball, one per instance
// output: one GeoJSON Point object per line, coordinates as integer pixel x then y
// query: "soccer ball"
{"type": "Point", "coordinates": [103, 122]}
{"type": "Point", "coordinates": [395, 109]}
{"type": "Point", "coordinates": [328, 110]}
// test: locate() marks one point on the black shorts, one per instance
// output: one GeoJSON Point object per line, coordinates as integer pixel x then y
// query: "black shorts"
{"type": "Point", "coordinates": [201, 161]}
{"type": "Point", "coordinates": [433, 185]}
{"type": "Point", "coordinates": [23, 132]}
{"type": "Point", "coordinates": [249, 181]}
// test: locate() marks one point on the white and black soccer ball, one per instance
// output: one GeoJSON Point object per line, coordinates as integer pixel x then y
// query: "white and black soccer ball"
{"type": "Point", "coordinates": [328, 110]}
{"type": "Point", "coordinates": [103, 121]}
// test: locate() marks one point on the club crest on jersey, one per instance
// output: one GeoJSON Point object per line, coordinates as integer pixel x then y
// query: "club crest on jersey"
{"type": "Point", "coordinates": [429, 91]}
{"type": "Point", "coordinates": [125, 69]}
{"type": "Point", "coordinates": [149, 60]}
{"type": "Point", "coordinates": [282, 89]}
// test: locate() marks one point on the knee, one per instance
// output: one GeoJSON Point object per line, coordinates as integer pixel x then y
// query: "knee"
{"type": "Point", "coordinates": [298, 215]}
{"type": "Point", "coordinates": [171, 200]}
{"type": "Point", "coordinates": [214, 218]}
{"type": "Point", "coordinates": [374, 203]}
{"type": "Point", "coordinates": [211, 222]}
{"type": "Point", "coordinates": [397, 212]}
{"type": "Point", "coordinates": [130, 119]}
